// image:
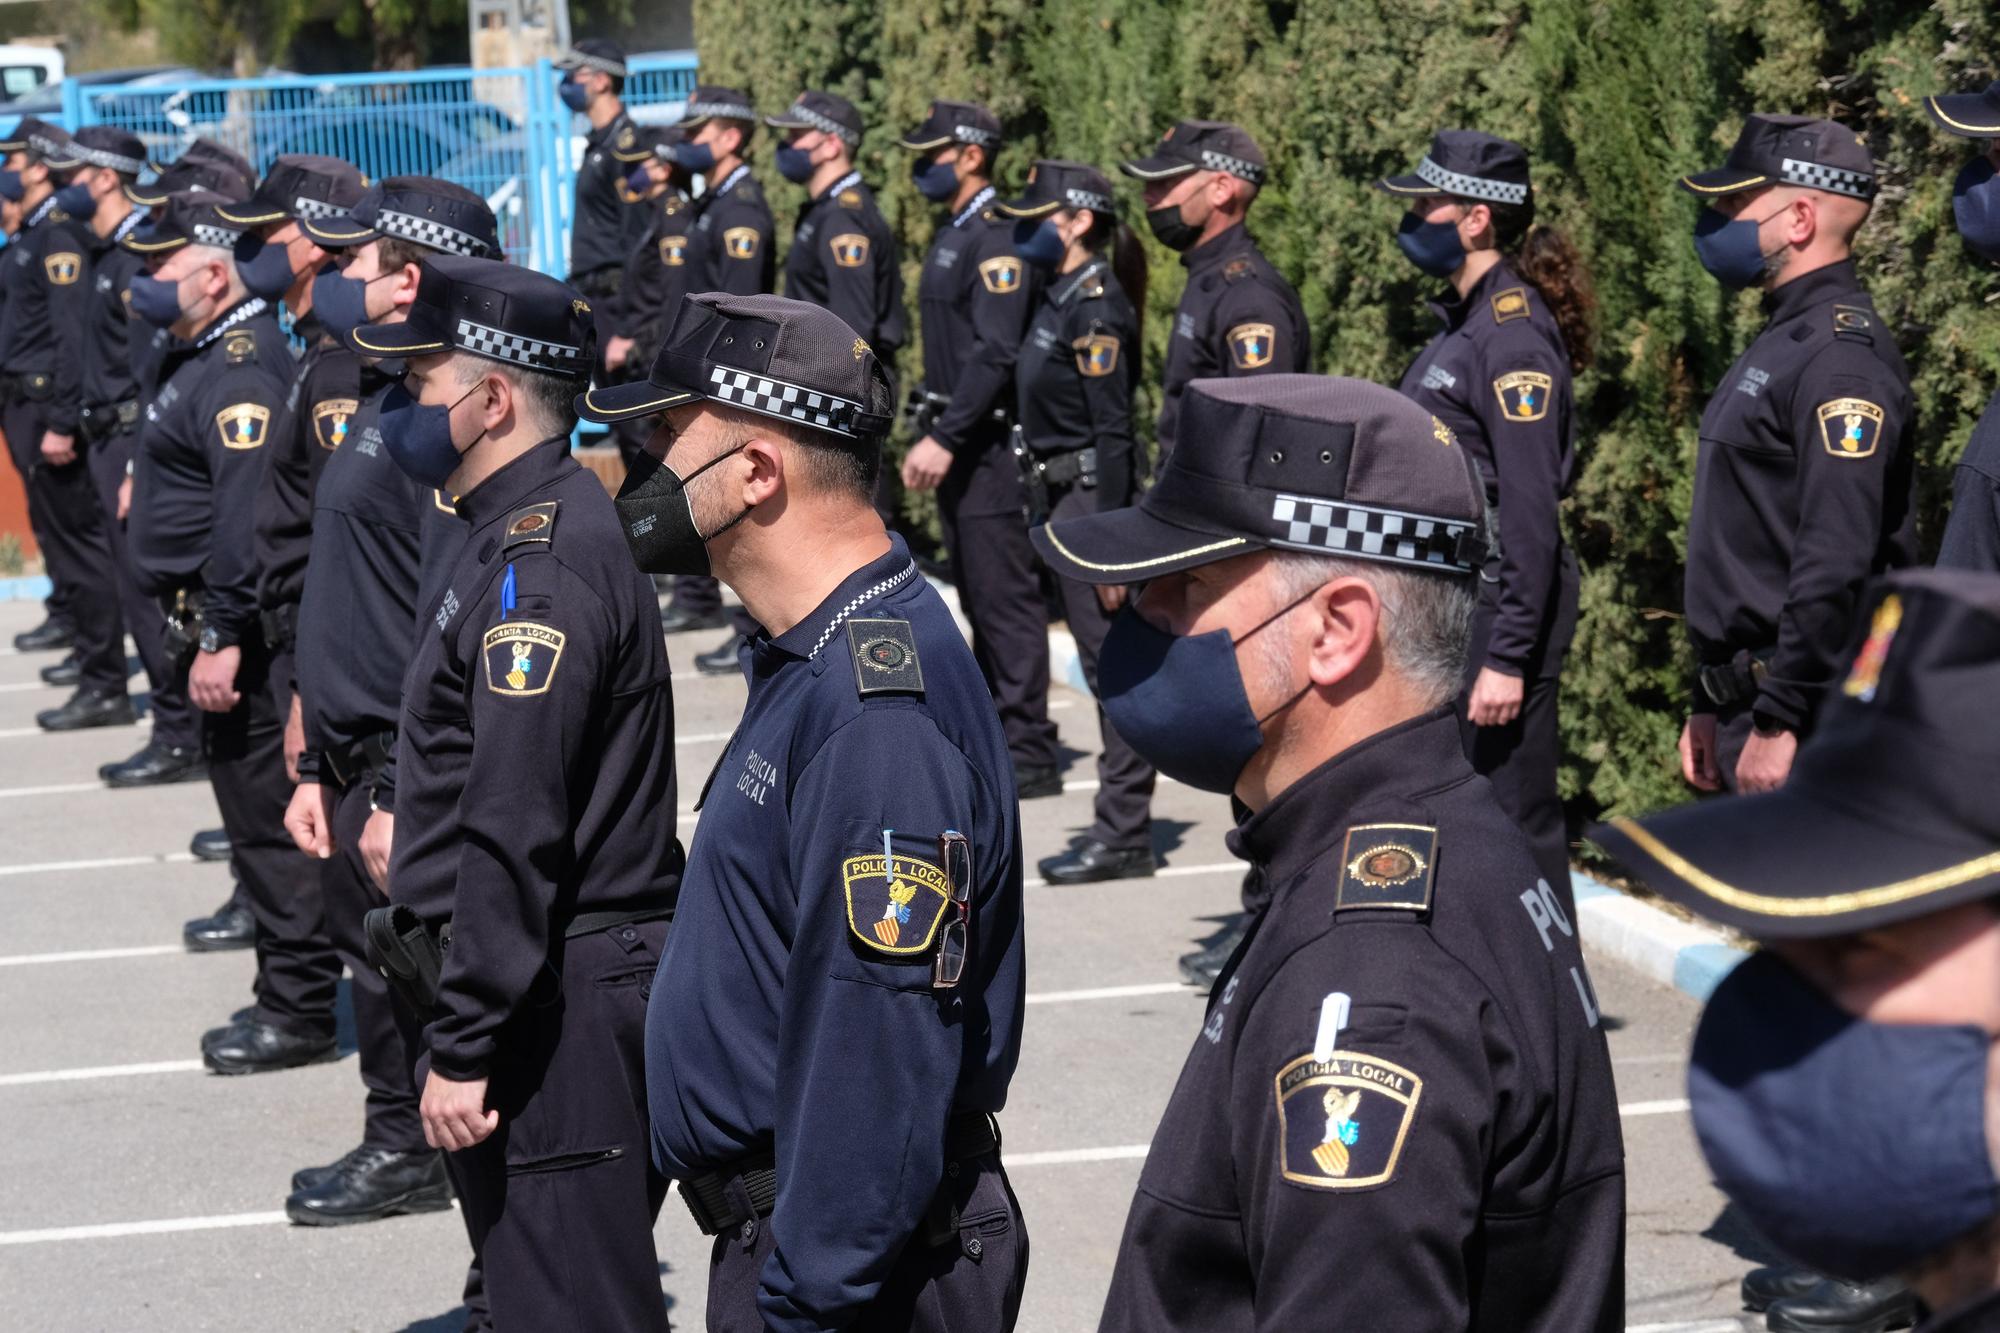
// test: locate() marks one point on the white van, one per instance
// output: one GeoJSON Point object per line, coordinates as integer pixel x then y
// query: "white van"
{"type": "Point", "coordinates": [23, 69]}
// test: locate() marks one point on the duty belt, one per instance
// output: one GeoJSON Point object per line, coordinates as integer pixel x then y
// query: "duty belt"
{"type": "Point", "coordinates": [107, 419]}
{"type": "Point", "coordinates": [346, 763]}
{"type": "Point", "coordinates": [1072, 467]}
{"type": "Point", "coordinates": [1736, 681]}
{"type": "Point", "coordinates": [726, 1199]}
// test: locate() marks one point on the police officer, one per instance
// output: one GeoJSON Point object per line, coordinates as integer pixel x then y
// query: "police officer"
{"type": "Point", "coordinates": [1404, 1059]}
{"type": "Point", "coordinates": [729, 250]}
{"type": "Point", "coordinates": [1869, 884]}
{"type": "Point", "coordinates": [1804, 484]}
{"type": "Point", "coordinates": [1972, 534]}
{"type": "Point", "coordinates": [838, 1014]}
{"type": "Point", "coordinates": [536, 772]}
{"type": "Point", "coordinates": [592, 83]}
{"type": "Point", "coordinates": [655, 269]}
{"type": "Point", "coordinates": [1238, 315]}
{"type": "Point", "coordinates": [39, 340]}
{"type": "Point", "coordinates": [199, 463]}
{"type": "Point", "coordinates": [976, 295]}
{"type": "Point", "coordinates": [1513, 327]}
{"type": "Point", "coordinates": [1073, 389]}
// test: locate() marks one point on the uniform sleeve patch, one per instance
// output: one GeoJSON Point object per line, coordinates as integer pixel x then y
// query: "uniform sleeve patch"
{"type": "Point", "coordinates": [1002, 275]}
{"type": "Point", "coordinates": [1251, 346]}
{"type": "Point", "coordinates": [1510, 305]}
{"type": "Point", "coordinates": [885, 657]}
{"type": "Point", "coordinates": [850, 249]}
{"type": "Point", "coordinates": [1850, 427]}
{"type": "Point", "coordinates": [1387, 866]}
{"type": "Point", "coordinates": [331, 418]}
{"type": "Point", "coordinates": [1096, 355]}
{"type": "Point", "coordinates": [741, 242]}
{"type": "Point", "coordinates": [673, 251]}
{"type": "Point", "coordinates": [894, 908]}
{"type": "Point", "coordinates": [521, 658]}
{"type": "Point", "coordinates": [1523, 394]}
{"type": "Point", "coordinates": [1342, 1121]}
{"type": "Point", "coordinates": [243, 425]}
{"type": "Point", "coordinates": [63, 267]}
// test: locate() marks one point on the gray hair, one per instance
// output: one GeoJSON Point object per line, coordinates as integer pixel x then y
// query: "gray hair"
{"type": "Point", "coordinates": [1426, 617]}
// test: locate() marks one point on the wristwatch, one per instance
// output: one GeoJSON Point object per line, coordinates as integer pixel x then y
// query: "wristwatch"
{"type": "Point", "coordinates": [211, 641]}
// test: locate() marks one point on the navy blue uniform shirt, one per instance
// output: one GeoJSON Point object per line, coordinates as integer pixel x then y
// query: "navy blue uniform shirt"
{"type": "Point", "coordinates": [975, 295]}
{"type": "Point", "coordinates": [107, 373]}
{"type": "Point", "coordinates": [46, 247]}
{"type": "Point", "coordinates": [844, 257]}
{"type": "Point", "coordinates": [793, 1012]}
{"type": "Point", "coordinates": [1972, 534]}
{"type": "Point", "coordinates": [1237, 316]}
{"type": "Point", "coordinates": [656, 275]}
{"type": "Point", "coordinates": [326, 372]}
{"type": "Point", "coordinates": [729, 243]}
{"type": "Point", "coordinates": [597, 238]}
{"type": "Point", "coordinates": [1078, 367]}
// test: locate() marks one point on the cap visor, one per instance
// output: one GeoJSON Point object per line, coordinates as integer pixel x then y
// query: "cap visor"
{"type": "Point", "coordinates": [1156, 168]}
{"type": "Point", "coordinates": [642, 155]}
{"type": "Point", "coordinates": [1406, 185]}
{"type": "Point", "coordinates": [1722, 180]}
{"type": "Point", "coordinates": [1789, 865]}
{"type": "Point", "coordinates": [621, 402]}
{"type": "Point", "coordinates": [146, 244]}
{"type": "Point", "coordinates": [916, 143]}
{"type": "Point", "coordinates": [337, 232]}
{"type": "Point", "coordinates": [250, 214]}
{"type": "Point", "coordinates": [1129, 546]}
{"type": "Point", "coordinates": [1967, 114]}
{"type": "Point", "coordinates": [1029, 208]}
{"type": "Point", "coordinates": [787, 123]}
{"type": "Point", "coordinates": [146, 196]}
{"type": "Point", "coordinates": [409, 338]}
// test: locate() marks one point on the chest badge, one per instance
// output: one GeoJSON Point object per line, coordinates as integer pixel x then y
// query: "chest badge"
{"type": "Point", "coordinates": [885, 657]}
{"type": "Point", "coordinates": [521, 658]}
{"type": "Point", "coordinates": [894, 905]}
{"type": "Point", "coordinates": [1523, 395]}
{"type": "Point", "coordinates": [63, 267]}
{"type": "Point", "coordinates": [1850, 427]}
{"type": "Point", "coordinates": [1002, 275]}
{"type": "Point", "coordinates": [1251, 346]}
{"type": "Point", "coordinates": [740, 242]}
{"type": "Point", "coordinates": [1343, 1121]}
{"type": "Point", "coordinates": [331, 419]}
{"type": "Point", "coordinates": [243, 425]}
{"type": "Point", "coordinates": [1096, 355]}
{"type": "Point", "coordinates": [673, 251]}
{"type": "Point", "coordinates": [850, 249]}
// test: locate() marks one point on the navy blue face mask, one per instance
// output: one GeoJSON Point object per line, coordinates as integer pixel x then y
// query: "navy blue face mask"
{"type": "Point", "coordinates": [12, 188]}
{"type": "Point", "coordinates": [1037, 241]}
{"type": "Point", "coordinates": [1975, 207]}
{"type": "Point", "coordinates": [418, 435]}
{"type": "Point", "coordinates": [574, 95]}
{"type": "Point", "coordinates": [1858, 1148]}
{"type": "Point", "coordinates": [695, 157]}
{"type": "Point", "coordinates": [1729, 248]}
{"type": "Point", "coordinates": [935, 181]}
{"type": "Point", "coordinates": [1179, 699]}
{"type": "Point", "coordinates": [266, 269]}
{"type": "Point", "coordinates": [637, 180]}
{"type": "Point", "coordinates": [74, 199]}
{"type": "Point", "coordinates": [794, 164]}
{"type": "Point", "coordinates": [1433, 247]}
{"type": "Point", "coordinates": [155, 300]}
{"type": "Point", "coordinates": [341, 302]}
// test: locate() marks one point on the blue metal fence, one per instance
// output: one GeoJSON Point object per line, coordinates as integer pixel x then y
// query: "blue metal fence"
{"type": "Point", "coordinates": [500, 132]}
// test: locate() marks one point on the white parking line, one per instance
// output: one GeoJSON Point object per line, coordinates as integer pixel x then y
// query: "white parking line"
{"type": "Point", "coordinates": [113, 1230]}
{"type": "Point", "coordinates": [1070, 1156]}
{"type": "Point", "coordinates": [1670, 1106]}
{"type": "Point", "coordinates": [100, 1071]}
{"type": "Point", "coordinates": [101, 863]}
{"type": "Point", "coordinates": [55, 789]}
{"type": "Point", "coordinates": [1700, 1326]}
{"type": "Point", "coordinates": [89, 955]}
{"type": "Point", "coordinates": [1099, 993]}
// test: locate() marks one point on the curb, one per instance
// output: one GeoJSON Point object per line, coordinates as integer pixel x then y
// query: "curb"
{"type": "Point", "coordinates": [29, 588]}
{"type": "Point", "coordinates": [1692, 959]}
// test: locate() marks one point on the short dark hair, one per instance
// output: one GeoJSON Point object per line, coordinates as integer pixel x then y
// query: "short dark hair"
{"type": "Point", "coordinates": [829, 462]}
{"type": "Point", "coordinates": [554, 396]}
{"type": "Point", "coordinates": [392, 252]}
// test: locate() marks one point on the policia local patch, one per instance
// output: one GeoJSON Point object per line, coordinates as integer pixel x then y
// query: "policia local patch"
{"type": "Point", "coordinates": [1342, 1120]}
{"type": "Point", "coordinates": [521, 657]}
{"type": "Point", "coordinates": [895, 908]}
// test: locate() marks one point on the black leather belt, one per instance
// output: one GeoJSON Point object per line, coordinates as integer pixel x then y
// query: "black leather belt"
{"type": "Point", "coordinates": [1737, 681]}
{"type": "Point", "coordinates": [725, 1199]}
{"type": "Point", "coordinates": [346, 763]}
{"type": "Point", "coordinates": [33, 384]}
{"type": "Point", "coordinates": [107, 419]}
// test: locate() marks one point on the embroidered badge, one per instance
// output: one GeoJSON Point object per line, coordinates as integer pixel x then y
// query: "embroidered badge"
{"type": "Point", "coordinates": [64, 267]}
{"type": "Point", "coordinates": [849, 198]}
{"type": "Point", "coordinates": [534, 524]}
{"type": "Point", "coordinates": [1523, 394]}
{"type": "Point", "coordinates": [740, 242]}
{"type": "Point", "coordinates": [1251, 346]}
{"type": "Point", "coordinates": [1342, 1121]}
{"type": "Point", "coordinates": [1510, 304]}
{"type": "Point", "coordinates": [894, 908]}
{"type": "Point", "coordinates": [1442, 433]}
{"type": "Point", "coordinates": [673, 251]}
{"type": "Point", "coordinates": [1096, 355]}
{"type": "Point", "coordinates": [1002, 275]}
{"type": "Point", "coordinates": [331, 418]}
{"type": "Point", "coordinates": [1235, 269]}
{"type": "Point", "coordinates": [860, 348]}
{"type": "Point", "coordinates": [521, 658]}
{"type": "Point", "coordinates": [1850, 427]}
{"type": "Point", "coordinates": [1866, 674]}
{"type": "Point", "coordinates": [626, 137]}
{"type": "Point", "coordinates": [1387, 866]}
{"type": "Point", "coordinates": [243, 425]}
{"type": "Point", "coordinates": [885, 657]}
{"type": "Point", "coordinates": [850, 249]}
{"type": "Point", "coordinates": [238, 348]}
{"type": "Point", "coordinates": [579, 307]}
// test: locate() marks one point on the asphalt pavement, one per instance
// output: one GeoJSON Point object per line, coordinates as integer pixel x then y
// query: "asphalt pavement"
{"type": "Point", "coordinates": [139, 1192]}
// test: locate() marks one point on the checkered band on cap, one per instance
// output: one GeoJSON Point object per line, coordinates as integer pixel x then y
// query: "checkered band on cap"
{"type": "Point", "coordinates": [429, 232]}
{"type": "Point", "coordinates": [1834, 180]}
{"type": "Point", "coordinates": [104, 157]}
{"type": "Point", "coordinates": [44, 146]}
{"type": "Point", "coordinates": [583, 60]}
{"type": "Point", "coordinates": [223, 238]}
{"type": "Point", "coordinates": [788, 402]}
{"type": "Point", "coordinates": [500, 345]}
{"type": "Point", "coordinates": [1235, 166]}
{"type": "Point", "coordinates": [824, 124]}
{"type": "Point", "coordinates": [974, 134]}
{"type": "Point", "coordinates": [1090, 199]}
{"type": "Point", "coordinates": [1342, 528]}
{"type": "Point", "coordinates": [719, 110]}
{"type": "Point", "coordinates": [1472, 187]}
{"type": "Point", "coordinates": [303, 207]}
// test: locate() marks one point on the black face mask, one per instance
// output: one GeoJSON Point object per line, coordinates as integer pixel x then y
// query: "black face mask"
{"type": "Point", "coordinates": [658, 516]}
{"type": "Point", "coordinates": [1171, 229]}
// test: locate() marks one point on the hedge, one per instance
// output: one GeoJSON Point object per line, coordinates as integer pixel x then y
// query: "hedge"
{"type": "Point", "coordinates": [1613, 101]}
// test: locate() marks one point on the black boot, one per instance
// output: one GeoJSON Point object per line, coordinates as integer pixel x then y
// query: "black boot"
{"type": "Point", "coordinates": [260, 1048]}
{"type": "Point", "coordinates": [231, 927]}
{"type": "Point", "coordinates": [1203, 966]}
{"type": "Point", "coordinates": [1763, 1287]}
{"type": "Point", "coordinates": [1036, 781]}
{"type": "Point", "coordinates": [676, 619]}
{"type": "Point", "coordinates": [157, 765]}
{"type": "Point", "coordinates": [87, 708]}
{"type": "Point", "coordinates": [64, 674]}
{"type": "Point", "coordinates": [372, 1183]}
{"type": "Point", "coordinates": [722, 660]}
{"type": "Point", "coordinates": [1845, 1307]}
{"type": "Point", "coordinates": [211, 844]}
{"type": "Point", "coordinates": [1090, 861]}
{"type": "Point", "coordinates": [45, 637]}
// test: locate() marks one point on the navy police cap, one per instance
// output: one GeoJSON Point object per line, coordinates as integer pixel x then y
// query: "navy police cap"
{"type": "Point", "coordinates": [829, 113]}
{"type": "Point", "coordinates": [493, 310]}
{"type": "Point", "coordinates": [106, 146]}
{"type": "Point", "coordinates": [1469, 165]}
{"type": "Point", "coordinates": [435, 214]}
{"type": "Point", "coordinates": [1055, 184]}
{"type": "Point", "coordinates": [1791, 150]}
{"type": "Point", "coordinates": [203, 164]}
{"type": "Point", "coordinates": [1202, 145]}
{"type": "Point", "coordinates": [188, 217]}
{"type": "Point", "coordinates": [607, 57]}
{"type": "Point", "coordinates": [712, 101]}
{"type": "Point", "coordinates": [1970, 115]}
{"type": "Point", "coordinates": [955, 122]}
{"type": "Point", "coordinates": [297, 187]}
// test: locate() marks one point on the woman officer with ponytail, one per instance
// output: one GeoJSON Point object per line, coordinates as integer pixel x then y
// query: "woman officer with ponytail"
{"type": "Point", "coordinates": [1073, 387]}
{"type": "Point", "coordinates": [1516, 323]}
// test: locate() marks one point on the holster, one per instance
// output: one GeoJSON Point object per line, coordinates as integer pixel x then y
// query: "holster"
{"type": "Point", "coordinates": [1739, 680]}
{"type": "Point", "coordinates": [180, 636]}
{"type": "Point", "coordinates": [109, 419]}
{"type": "Point", "coordinates": [1032, 480]}
{"type": "Point", "coordinates": [346, 764]}
{"type": "Point", "coordinates": [407, 954]}
{"type": "Point", "coordinates": [922, 409]}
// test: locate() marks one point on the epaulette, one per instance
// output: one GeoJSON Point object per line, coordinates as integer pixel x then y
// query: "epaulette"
{"type": "Point", "coordinates": [1853, 323]}
{"type": "Point", "coordinates": [849, 197]}
{"type": "Point", "coordinates": [1091, 290]}
{"type": "Point", "coordinates": [885, 657]}
{"type": "Point", "coordinates": [674, 204]}
{"type": "Point", "coordinates": [239, 348]}
{"type": "Point", "coordinates": [1509, 305]}
{"type": "Point", "coordinates": [1238, 269]}
{"type": "Point", "coordinates": [750, 192]}
{"type": "Point", "coordinates": [530, 524]}
{"type": "Point", "coordinates": [1387, 867]}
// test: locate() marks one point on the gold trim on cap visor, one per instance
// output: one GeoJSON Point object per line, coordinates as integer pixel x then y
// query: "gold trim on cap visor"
{"type": "Point", "coordinates": [1731, 188]}
{"type": "Point", "coordinates": [1227, 544]}
{"type": "Point", "coordinates": [1939, 111]}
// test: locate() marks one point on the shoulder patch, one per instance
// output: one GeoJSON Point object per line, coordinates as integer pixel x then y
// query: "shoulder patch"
{"type": "Point", "coordinates": [531, 524]}
{"type": "Point", "coordinates": [674, 250]}
{"type": "Point", "coordinates": [330, 420]}
{"type": "Point", "coordinates": [850, 249]}
{"type": "Point", "coordinates": [741, 242]}
{"type": "Point", "coordinates": [1251, 346]}
{"type": "Point", "coordinates": [1096, 354]}
{"type": "Point", "coordinates": [1001, 274]}
{"type": "Point", "coordinates": [1387, 866]}
{"type": "Point", "coordinates": [1851, 321]}
{"type": "Point", "coordinates": [63, 267]}
{"type": "Point", "coordinates": [848, 198]}
{"type": "Point", "coordinates": [1511, 304]}
{"type": "Point", "coordinates": [894, 905]}
{"type": "Point", "coordinates": [1850, 427]}
{"type": "Point", "coordinates": [238, 348]}
{"type": "Point", "coordinates": [1523, 394]}
{"type": "Point", "coordinates": [243, 425]}
{"type": "Point", "coordinates": [1237, 269]}
{"type": "Point", "coordinates": [885, 657]}
{"type": "Point", "coordinates": [627, 137]}
{"type": "Point", "coordinates": [521, 657]}
{"type": "Point", "coordinates": [1343, 1121]}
